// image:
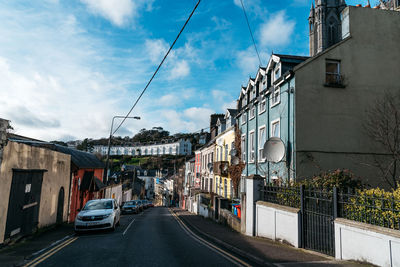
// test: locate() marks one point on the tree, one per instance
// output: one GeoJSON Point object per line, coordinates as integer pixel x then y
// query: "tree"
{"type": "Point", "coordinates": [383, 127]}
{"type": "Point", "coordinates": [86, 145]}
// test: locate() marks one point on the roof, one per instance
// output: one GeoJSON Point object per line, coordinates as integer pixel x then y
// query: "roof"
{"type": "Point", "coordinates": [79, 158]}
{"type": "Point", "coordinates": [232, 111]}
{"type": "Point", "coordinates": [290, 57]}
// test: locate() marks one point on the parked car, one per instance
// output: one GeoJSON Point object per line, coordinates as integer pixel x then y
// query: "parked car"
{"type": "Point", "coordinates": [139, 205]}
{"type": "Point", "coordinates": [144, 202]}
{"type": "Point", "coordinates": [129, 207]}
{"type": "Point", "coordinates": [98, 214]}
{"type": "Point", "coordinates": [151, 204]}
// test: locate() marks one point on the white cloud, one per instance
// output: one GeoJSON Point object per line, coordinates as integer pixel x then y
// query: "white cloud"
{"type": "Point", "coordinates": [118, 12]}
{"type": "Point", "coordinates": [247, 60]}
{"type": "Point", "coordinates": [180, 69]}
{"type": "Point", "coordinates": [277, 30]}
{"type": "Point", "coordinates": [177, 61]}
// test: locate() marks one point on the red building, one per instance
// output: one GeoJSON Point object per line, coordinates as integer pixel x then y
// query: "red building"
{"type": "Point", "coordinates": [86, 179]}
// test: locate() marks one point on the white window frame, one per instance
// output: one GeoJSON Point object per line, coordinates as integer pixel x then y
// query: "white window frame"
{"type": "Point", "coordinates": [252, 112]}
{"type": "Point", "coordinates": [263, 102]}
{"type": "Point", "coordinates": [261, 158]}
{"type": "Point", "coordinates": [277, 70]}
{"type": "Point", "coordinates": [272, 127]}
{"type": "Point", "coordinates": [276, 96]}
{"type": "Point", "coordinates": [244, 118]}
{"type": "Point", "coordinates": [243, 147]}
{"type": "Point", "coordinates": [252, 146]}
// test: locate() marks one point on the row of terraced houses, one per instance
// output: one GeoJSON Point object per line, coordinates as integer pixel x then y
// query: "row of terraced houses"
{"type": "Point", "coordinates": [316, 105]}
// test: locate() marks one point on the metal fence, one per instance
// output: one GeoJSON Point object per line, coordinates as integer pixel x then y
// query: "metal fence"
{"type": "Point", "coordinates": [286, 196]}
{"type": "Point", "coordinates": [319, 208]}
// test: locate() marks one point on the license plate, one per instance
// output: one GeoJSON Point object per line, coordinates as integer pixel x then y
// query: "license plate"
{"type": "Point", "coordinates": [91, 223]}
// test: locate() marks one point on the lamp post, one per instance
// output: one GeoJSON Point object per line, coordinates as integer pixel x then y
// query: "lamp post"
{"type": "Point", "coordinates": [109, 141]}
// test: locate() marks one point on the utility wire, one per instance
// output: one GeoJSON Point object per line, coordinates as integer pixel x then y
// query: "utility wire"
{"type": "Point", "coordinates": [251, 33]}
{"type": "Point", "coordinates": [159, 66]}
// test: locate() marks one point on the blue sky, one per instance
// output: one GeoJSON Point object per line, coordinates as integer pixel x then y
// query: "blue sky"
{"type": "Point", "coordinates": [67, 67]}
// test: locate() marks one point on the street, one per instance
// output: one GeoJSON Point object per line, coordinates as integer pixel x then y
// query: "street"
{"type": "Point", "coordinates": [151, 238]}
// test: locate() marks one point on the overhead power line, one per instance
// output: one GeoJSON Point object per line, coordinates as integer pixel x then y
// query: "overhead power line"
{"type": "Point", "coordinates": [159, 66]}
{"type": "Point", "coordinates": [251, 33]}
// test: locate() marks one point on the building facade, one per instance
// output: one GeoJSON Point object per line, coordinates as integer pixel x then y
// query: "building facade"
{"type": "Point", "coordinates": [180, 147]}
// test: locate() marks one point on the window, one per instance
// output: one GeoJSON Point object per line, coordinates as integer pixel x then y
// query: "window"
{"type": "Point", "coordinates": [262, 106]}
{"type": "Point", "coordinates": [261, 142]}
{"type": "Point", "coordinates": [244, 118]}
{"type": "Point", "coordinates": [276, 128]}
{"type": "Point", "coordinates": [276, 97]}
{"type": "Point", "coordinates": [226, 152]}
{"type": "Point", "coordinates": [333, 76]}
{"type": "Point", "coordinates": [243, 147]}
{"type": "Point", "coordinates": [254, 92]}
{"type": "Point", "coordinates": [277, 73]}
{"type": "Point", "coordinates": [252, 113]}
{"type": "Point", "coordinates": [251, 146]}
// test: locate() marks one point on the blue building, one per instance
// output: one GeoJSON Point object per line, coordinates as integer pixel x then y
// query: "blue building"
{"type": "Point", "coordinates": [266, 109]}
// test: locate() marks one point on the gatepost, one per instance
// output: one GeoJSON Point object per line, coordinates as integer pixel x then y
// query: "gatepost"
{"type": "Point", "coordinates": [253, 185]}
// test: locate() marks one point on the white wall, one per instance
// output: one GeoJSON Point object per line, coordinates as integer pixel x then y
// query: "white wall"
{"type": "Point", "coordinates": [364, 242]}
{"type": "Point", "coordinates": [127, 195]}
{"type": "Point", "coordinates": [117, 190]}
{"type": "Point", "coordinates": [203, 211]}
{"type": "Point", "coordinates": [277, 222]}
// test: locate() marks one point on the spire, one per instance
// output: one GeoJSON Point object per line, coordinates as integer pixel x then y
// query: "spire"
{"type": "Point", "coordinates": [312, 11]}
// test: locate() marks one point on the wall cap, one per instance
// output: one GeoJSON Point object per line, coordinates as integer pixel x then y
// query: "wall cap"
{"type": "Point", "coordinates": [255, 177]}
{"type": "Point", "coordinates": [369, 227]}
{"type": "Point", "coordinates": [277, 206]}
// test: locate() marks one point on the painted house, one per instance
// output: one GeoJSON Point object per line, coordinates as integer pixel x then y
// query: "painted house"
{"type": "Point", "coordinates": [224, 143]}
{"type": "Point", "coordinates": [265, 109]}
{"type": "Point", "coordinates": [34, 189]}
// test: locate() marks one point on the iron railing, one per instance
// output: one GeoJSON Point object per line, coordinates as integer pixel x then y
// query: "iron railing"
{"type": "Point", "coordinates": [381, 210]}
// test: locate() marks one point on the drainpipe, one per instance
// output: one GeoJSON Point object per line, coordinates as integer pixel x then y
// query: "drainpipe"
{"type": "Point", "coordinates": [268, 130]}
{"type": "Point", "coordinates": [288, 133]}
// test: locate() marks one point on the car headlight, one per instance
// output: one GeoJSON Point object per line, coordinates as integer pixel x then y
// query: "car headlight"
{"type": "Point", "coordinates": [80, 217]}
{"type": "Point", "coordinates": [106, 216]}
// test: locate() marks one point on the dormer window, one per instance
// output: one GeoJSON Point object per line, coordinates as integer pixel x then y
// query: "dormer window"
{"type": "Point", "coordinates": [254, 92]}
{"type": "Point", "coordinates": [277, 73]}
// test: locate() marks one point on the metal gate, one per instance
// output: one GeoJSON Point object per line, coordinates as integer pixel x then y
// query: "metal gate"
{"type": "Point", "coordinates": [318, 221]}
{"type": "Point", "coordinates": [24, 202]}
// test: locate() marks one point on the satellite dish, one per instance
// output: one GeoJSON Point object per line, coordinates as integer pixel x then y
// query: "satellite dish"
{"type": "Point", "coordinates": [274, 150]}
{"type": "Point", "coordinates": [235, 160]}
{"type": "Point", "coordinates": [233, 152]}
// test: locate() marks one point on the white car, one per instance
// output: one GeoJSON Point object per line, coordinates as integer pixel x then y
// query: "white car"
{"type": "Point", "coordinates": [98, 214]}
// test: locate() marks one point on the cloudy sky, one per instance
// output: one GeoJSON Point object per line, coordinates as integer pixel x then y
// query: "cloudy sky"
{"type": "Point", "coordinates": [67, 67]}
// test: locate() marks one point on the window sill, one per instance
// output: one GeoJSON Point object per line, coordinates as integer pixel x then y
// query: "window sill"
{"type": "Point", "coordinates": [275, 104]}
{"type": "Point", "coordinates": [334, 85]}
{"type": "Point", "coordinates": [261, 112]}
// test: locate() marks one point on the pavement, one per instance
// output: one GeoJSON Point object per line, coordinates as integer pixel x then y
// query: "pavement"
{"type": "Point", "coordinates": [27, 248]}
{"type": "Point", "coordinates": [260, 251]}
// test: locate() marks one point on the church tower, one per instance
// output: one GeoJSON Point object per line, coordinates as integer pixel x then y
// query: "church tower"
{"type": "Point", "coordinates": [325, 24]}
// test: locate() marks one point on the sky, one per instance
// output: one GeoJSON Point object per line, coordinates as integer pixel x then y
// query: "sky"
{"type": "Point", "coordinates": [68, 67]}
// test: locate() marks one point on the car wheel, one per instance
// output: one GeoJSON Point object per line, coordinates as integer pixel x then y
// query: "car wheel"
{"type": "Point", "coordinates": [113, 226]}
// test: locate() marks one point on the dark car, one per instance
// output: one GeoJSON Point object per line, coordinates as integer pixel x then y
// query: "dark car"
{"type": "Point", "coordinates": [151, 204]}
{"type": "Point", "coordinates": [130, 207]}
{"type": "Point", "coordinates": [139, 205]}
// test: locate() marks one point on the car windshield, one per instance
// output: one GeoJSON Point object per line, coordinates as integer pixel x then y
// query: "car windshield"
{"type": "Point", "coordinates": [98, 205]}
{"type": "Point", "coordinates": [129, 203]}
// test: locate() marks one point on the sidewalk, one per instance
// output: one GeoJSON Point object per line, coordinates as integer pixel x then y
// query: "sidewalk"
{"type": "Point", "coordinates": [259, 250]}
{"type": "Point", "coordinates": [14, 255]}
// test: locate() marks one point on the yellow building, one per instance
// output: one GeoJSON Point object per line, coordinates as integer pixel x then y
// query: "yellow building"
{"type": "Point", "coordinates": [224, 143]}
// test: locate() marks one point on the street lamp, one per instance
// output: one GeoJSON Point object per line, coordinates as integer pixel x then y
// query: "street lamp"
{"type": "Point", "coordinates": [109, 140]}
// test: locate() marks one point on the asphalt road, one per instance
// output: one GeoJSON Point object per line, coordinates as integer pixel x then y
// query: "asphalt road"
{"type": "Point", "coordinates": [153, 238]}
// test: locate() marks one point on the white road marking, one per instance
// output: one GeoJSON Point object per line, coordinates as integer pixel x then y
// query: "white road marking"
{"type": "Point", "coordinates": [128, 226]}
{"type": "Point", "coordinates": [216, 249]}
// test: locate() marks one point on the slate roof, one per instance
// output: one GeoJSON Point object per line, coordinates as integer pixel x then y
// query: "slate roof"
{"type": "Point", "coordinates": [79, 158]}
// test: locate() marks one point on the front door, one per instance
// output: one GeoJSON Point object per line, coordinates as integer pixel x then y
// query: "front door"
{"type": "Point", "coordinates": [24, 202]}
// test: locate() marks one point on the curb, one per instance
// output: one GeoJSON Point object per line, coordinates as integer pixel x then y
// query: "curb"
{"type": "Point", "coordinates": [226, 245]}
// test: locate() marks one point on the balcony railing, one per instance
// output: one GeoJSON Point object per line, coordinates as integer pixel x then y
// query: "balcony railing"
{"type": "Point", "coordinates": [221, 168]}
